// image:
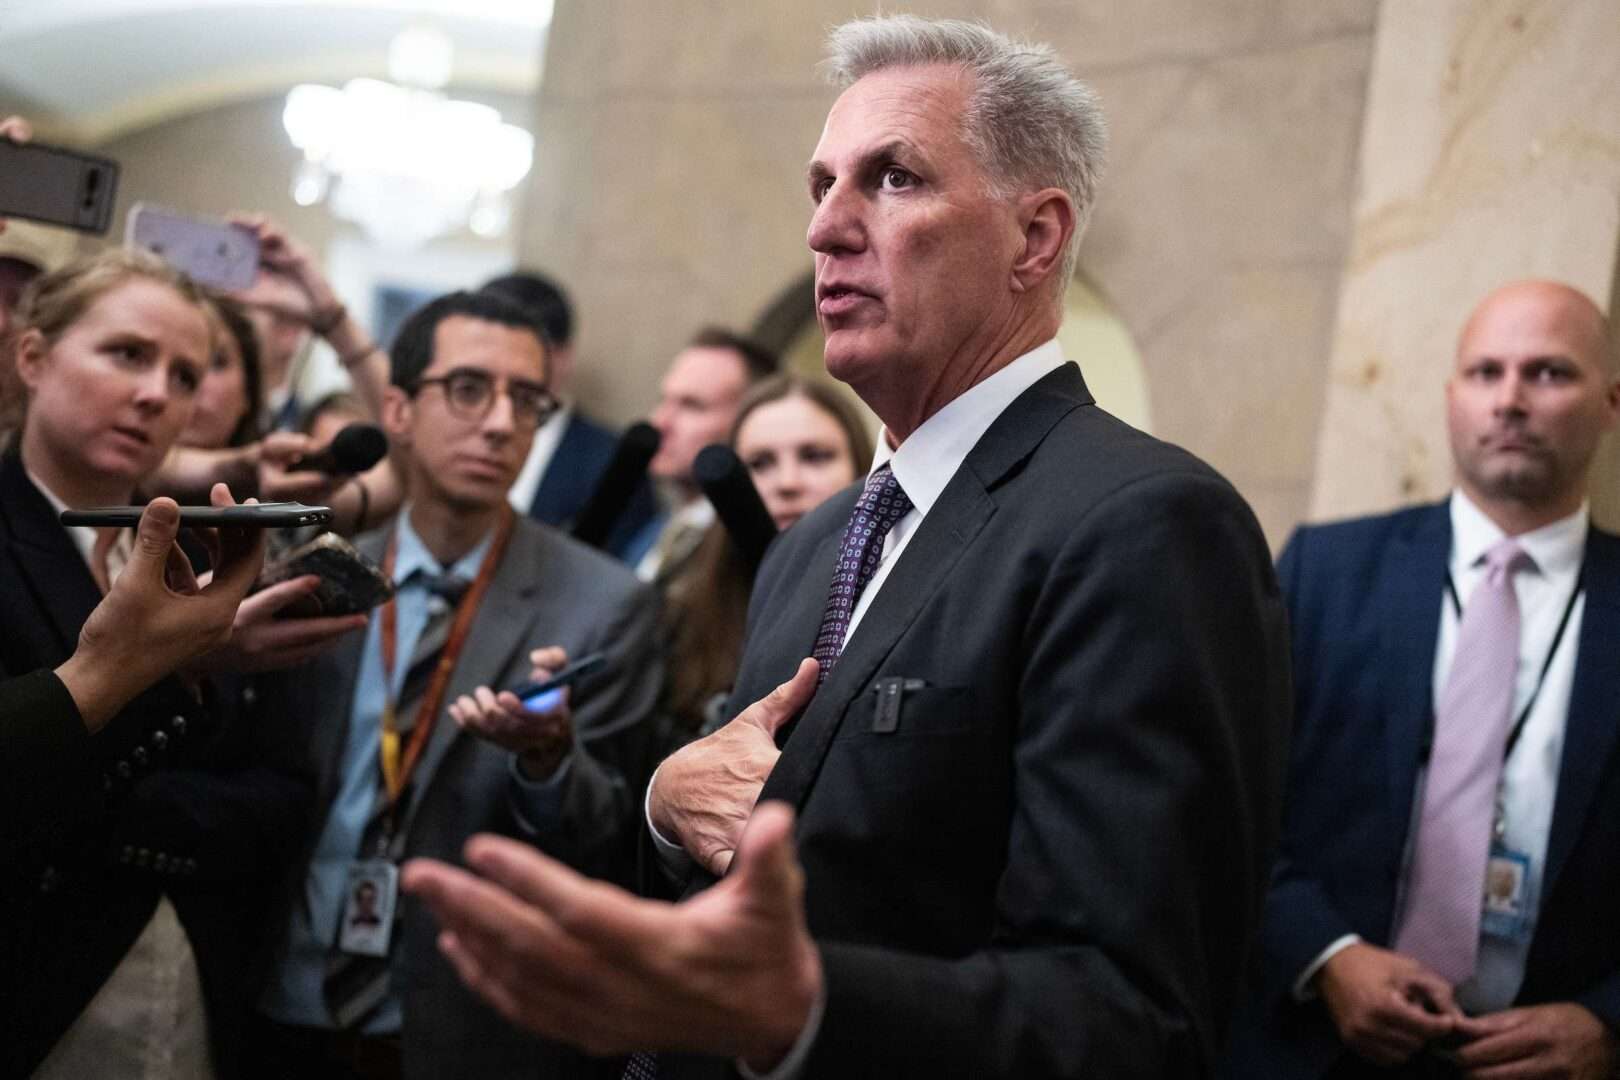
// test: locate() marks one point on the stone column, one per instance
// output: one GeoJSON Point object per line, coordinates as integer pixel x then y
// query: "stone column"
{"type": "Point", "coordinates": [1490, 152]}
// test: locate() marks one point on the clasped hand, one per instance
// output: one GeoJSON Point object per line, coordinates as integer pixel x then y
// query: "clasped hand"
{"type": "Point", "coordinates": [703, 795]}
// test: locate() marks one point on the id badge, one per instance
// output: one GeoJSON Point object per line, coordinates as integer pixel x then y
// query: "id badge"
{"type": "Point", "coordinates": [369, 897]}
{"type": "Point", "coordinates": [1506, 915]}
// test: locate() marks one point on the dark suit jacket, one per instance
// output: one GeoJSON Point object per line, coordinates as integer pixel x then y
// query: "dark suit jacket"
{"type": "Point", "coordinates": [548, 590]}
{"type": "Point", "coordinates": [1364, 599]}
{"type": "Point", "coordinates": [162, 801]}
{"type": "Point", "coordinates": [1050, 862]}
{"type": "Point", "coordinates": [571, 477]}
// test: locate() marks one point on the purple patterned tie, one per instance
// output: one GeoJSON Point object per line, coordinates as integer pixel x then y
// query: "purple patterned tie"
{"type": "Point", "coordinates": [881, 504]}
{"type": "Point", "coordinates": [1446, 884]}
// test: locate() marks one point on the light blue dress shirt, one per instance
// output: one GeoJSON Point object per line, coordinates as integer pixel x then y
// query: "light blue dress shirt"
{"type": "Point", "coordinates": [294, 994]}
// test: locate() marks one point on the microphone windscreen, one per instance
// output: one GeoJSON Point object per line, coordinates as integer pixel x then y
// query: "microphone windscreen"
{"type": "Point", "coordinates": [618, 484]}
{"type": "Point", "coordinates": [725, 481]}
{"type": "Point", "coordinates": [358, 447]}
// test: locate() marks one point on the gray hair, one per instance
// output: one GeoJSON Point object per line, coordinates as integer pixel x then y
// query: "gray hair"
{"type": "Point", "coordinates": [1030, 123]}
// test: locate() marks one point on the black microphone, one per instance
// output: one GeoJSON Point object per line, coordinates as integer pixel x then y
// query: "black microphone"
{"type": "Point", "coordinates": [725, 480]}
{"type": "Point", "coordinates": [623, 475]}
{"type": "Point", "coordinates": [354, 449]}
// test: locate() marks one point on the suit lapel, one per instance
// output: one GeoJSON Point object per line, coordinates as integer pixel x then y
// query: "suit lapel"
{"type": "Point", "coordinates": [945, 534]}
{"type": "Point", "coordinates": [57, 573]}
{"type": "Point", "coordinates": [1594, 702]}
{"type": "Point", "coordinates": [559, 484]}
{"type": "Point", "coordinates": [497, 633]}
{"type": "Point", "coordinates": [1412, 585]}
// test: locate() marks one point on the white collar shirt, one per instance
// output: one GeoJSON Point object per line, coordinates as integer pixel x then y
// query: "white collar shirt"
{"type": "Point", "coordinates": [925, 463]}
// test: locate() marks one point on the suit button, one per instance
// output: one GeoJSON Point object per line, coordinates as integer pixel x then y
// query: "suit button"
{"type": "Point", "coordinates": [143, 857]}
{"type": "Point", "coordinates": [127, 855]}
{"type": "Point", "coordinates": [140, 756]}
{"type": "Point", "coordinates": [123, 770]}
{"type": "Point", "coordinates": [160, 741]}
{"type": "Point", "coordinates": [178, 725]}
{"type": "Point", "coordinates": [191, 866]}
{"type": "Point", "coordinates": [48, 880]}
{"type": "Point", "coordinates": [160, 861]}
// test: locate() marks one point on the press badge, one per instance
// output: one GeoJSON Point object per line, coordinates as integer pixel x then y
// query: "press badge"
{"type": "Point", "coordinates": [1507, 895]}
{"type": "Point", "coordinates": [368, 908]}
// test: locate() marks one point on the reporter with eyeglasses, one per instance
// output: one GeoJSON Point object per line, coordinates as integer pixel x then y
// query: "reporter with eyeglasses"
{"type": "Point", "coordinates": [419, 745]}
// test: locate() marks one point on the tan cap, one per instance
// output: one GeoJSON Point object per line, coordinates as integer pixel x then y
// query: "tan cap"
{"type": "Point", "coordinates": [39, 245]}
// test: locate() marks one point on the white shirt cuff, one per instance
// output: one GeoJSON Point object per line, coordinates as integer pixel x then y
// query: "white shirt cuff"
{"type": "Point", "coordinates": [676, 862]}
{"type": "Point", "coordinates": [791, 1066]}
{"type": "Point", "coordinates": [1303, 989]}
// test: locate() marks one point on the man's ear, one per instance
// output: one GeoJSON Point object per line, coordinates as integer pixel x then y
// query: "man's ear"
{"type": "Point", "coordinates": [32, 355]}
{"type": "Point", "coordinates": [398, 415]}
{"type": "Point", "coordinates": [1047, 221]}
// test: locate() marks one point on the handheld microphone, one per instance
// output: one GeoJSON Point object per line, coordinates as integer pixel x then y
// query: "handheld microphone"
{"type": "Point", "coordinates": [354, 449]}
{"type": "Point", "coordinates": [624, 473]}
{"type": "Point", "coordinates": [725, 481]}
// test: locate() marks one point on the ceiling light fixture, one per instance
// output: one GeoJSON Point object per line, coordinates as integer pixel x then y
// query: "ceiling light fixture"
{"type": "Point", "coordinates": [401, 159]}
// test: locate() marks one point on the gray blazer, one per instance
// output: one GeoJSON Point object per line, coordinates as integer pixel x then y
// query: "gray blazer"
{"type": "Point", "coordinates": [548, 590]}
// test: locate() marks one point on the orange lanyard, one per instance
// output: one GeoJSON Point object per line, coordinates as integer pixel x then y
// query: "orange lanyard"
{"type": "Point", "coordinates": [397, 767]}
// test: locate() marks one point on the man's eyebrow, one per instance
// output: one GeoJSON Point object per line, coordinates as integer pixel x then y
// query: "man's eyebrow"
{"type": "Point", "coordinates": [894, 148]}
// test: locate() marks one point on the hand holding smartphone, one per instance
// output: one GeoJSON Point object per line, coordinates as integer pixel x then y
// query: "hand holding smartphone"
{"type": "Point", "coordinates": [544, 695]}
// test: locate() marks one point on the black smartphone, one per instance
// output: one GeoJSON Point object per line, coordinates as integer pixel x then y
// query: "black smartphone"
{"type": "Point", "coordinates": [533, 693]}
{"type": "Point", "coordinates": [57, 186]}
{"type": "Point", "coordinates": [277, 515]}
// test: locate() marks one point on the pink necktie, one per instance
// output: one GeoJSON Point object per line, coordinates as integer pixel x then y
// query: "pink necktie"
{"type": "Point", "coordinates": [1446, 885]}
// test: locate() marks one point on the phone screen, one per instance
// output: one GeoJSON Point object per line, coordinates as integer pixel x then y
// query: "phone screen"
{"type": "Point", "coordinates": [57, 186]}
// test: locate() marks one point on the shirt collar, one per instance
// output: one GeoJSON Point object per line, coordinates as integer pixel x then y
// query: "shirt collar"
{"type": "Point", "coordinates": [926, 461]}
{"type": "Point", "coordinates": [83, 536]}
{"type": "Point", "coordinates": [412, 555]}
{"type": "Point", "coordinates": [1556, 548]}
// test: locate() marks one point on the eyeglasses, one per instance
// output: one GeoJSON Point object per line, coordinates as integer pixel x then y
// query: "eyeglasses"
{"type": "Point", "coordinates": [470, 394]}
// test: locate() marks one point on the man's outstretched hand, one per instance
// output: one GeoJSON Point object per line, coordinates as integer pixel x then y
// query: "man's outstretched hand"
{"type": "Point", "coordinates": [730, 972]}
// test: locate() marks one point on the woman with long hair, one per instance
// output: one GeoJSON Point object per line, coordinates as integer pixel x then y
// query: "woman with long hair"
{"type": "Point", "coordinates": [126, 923]}
{"type": "Point", "coordinates": [802, 441]}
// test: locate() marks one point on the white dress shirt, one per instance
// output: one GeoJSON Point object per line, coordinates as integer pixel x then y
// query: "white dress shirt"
{"type": "Point", "coordinates": [1530, 774]}
{"type": "Point", "coordinates": [924, 465]}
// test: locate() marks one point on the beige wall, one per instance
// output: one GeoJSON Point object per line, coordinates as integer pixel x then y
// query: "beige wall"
{"type": "Point", "coordinates": [1491, 152]}
{"type": "Point", "coordinates": [669, 192]}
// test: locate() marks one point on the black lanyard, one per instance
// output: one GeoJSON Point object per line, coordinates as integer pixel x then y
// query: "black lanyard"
{"type": "Point", "coordinates": [1552, 651]}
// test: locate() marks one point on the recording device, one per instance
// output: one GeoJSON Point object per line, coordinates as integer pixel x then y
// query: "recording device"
{"type": "Point", "coordinates": [725, 480]}
{"type": "Point", "coordinates": [354, 449]}
{"type": "Point", "coordinates": [543, 695]}
{"type": "Point", "coordinates": [350, 582]}
{"type": "Point", "coordinates": [57, 186]}
{"type": "Point", "coordinates": [275, 515]}
{"type": "Point", "coordinates": [617, 487]}
{"type": "Point", "coordinates": [210, 252]}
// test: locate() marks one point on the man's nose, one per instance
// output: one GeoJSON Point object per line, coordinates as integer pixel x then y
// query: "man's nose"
{"type": "Point", "coordinates": [499, 421]}
{"type": "Point", "coordinates": [1510, 393]}
{"type": "Point", "coordinates": [836, 224]}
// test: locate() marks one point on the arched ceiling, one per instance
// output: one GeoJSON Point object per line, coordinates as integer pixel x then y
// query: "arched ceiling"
{"type": "Point", "coordinates": [87, 70]}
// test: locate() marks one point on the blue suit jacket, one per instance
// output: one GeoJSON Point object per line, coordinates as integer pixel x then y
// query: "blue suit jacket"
{"type": "Point", "coordinates": [1363, 599]}
{"type": "Point", "coordinates": [576, 467]}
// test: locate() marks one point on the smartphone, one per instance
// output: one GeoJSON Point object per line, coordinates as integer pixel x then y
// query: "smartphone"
{"type": "Point", "coordinates": [57, 186]}
{"type": "Point", "coordinates": [350, 582]}
{"type": "Point", "coordinates": [210, 252]}
{"type": "Point", "coordinates": [544, 694]}
{"type": "Point", "coordinates": [277, 515]}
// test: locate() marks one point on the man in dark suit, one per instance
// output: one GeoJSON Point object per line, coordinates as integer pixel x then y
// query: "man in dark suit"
{"type": "Point", "coordinates": [1020, 827]}
{"type": "Point", "coordinates": [1440, 906]}
{"type": "Point", "coordinates": [407, 764]}
{"type": "Point", "coordinates": [571, 450]}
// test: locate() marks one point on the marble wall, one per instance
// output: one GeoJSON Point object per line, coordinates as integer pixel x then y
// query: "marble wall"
{"type": "Point", "coordinates": [1490, 151]}
{"type": "Point", "coordinates": [668, 192]}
